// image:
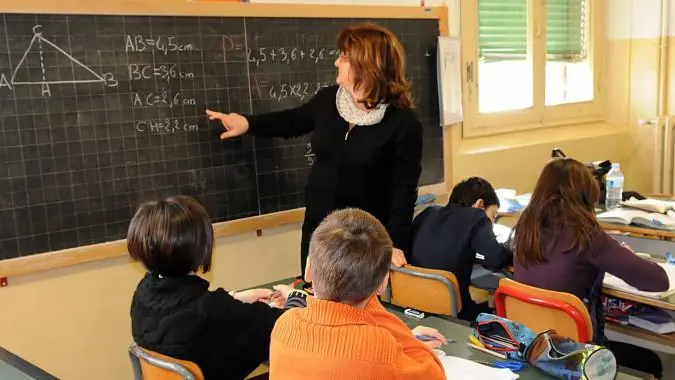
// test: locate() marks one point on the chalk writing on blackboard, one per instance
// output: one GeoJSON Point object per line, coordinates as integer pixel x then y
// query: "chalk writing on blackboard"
{"type": "Point", "coordinates": [166, 126]}
{"type": "Point", "coordinates": [310, 156]}
{"type": "Point", "coordinates": [281, 91]}
{"type": "Point", "coordinates": [25, 75]}
{"type": "Point", "coordinates": [164, 44]}
{"type": "Point", "coordinates": [265, 54]}
{"type": "Point", "coordinates": [162, 99]}
{"type": "Point", "coordinates": [164, 72]}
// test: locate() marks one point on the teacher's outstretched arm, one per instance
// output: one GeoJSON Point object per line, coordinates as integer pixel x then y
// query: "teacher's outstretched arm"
{"type": "Point", "coordinates": [292, 122]}
{"type": "Point", "coordinates": [406, 171]}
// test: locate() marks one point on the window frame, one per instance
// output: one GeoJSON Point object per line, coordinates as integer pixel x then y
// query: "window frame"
{"type": "Point", "coordinates": [539, 115]}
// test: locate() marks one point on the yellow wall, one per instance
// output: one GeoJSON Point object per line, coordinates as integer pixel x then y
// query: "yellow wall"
{"type": "Point", "coordinates": [633, 56]}
{"type": "Point", "coordinates": [74, 322]}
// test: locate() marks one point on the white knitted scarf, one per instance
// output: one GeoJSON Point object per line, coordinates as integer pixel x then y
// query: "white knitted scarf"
{"type": "Point", "coordinates": [354, 115]}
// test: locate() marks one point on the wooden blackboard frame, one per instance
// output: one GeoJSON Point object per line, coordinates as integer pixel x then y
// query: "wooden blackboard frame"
{"type": "Point", "coordinates": [84, 254]}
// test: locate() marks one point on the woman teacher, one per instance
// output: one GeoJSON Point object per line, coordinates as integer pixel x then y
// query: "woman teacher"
{"type": "Point", "coordinates": [367, 139]}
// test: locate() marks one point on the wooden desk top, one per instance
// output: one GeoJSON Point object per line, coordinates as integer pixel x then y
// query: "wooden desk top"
{"type": "Point", "coordinates": [639, 231]}
{"type": "Point", "coordinates": [667, 303]}
{"type": "Point", "coordinates": [510, 219]}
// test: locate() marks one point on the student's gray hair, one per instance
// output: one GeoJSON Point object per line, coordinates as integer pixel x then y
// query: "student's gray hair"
{"type": "Point", "coordinates": [350, 253]}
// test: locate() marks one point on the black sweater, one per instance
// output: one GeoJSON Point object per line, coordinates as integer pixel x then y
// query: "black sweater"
{"type": "Point", "coordinates": [448, 238]}
{"type": "Point", "coordinates": [375, 168]}
{"type": "Point", "coordinates": [181, 318]}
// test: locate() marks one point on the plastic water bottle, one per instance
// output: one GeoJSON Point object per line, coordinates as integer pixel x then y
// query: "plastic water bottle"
{"type": "Point", "coordinates": [614, 187]}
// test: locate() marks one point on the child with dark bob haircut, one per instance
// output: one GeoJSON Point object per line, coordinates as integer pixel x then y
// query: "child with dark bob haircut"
{"type": "Point", "coordinates": [173, 312]}
{"type": "Point", "coordinates": [449, 237]}
{"type": "Point", "coordinates": [345, 333]}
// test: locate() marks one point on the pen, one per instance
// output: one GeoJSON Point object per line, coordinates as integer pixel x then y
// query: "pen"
{"type": "Point", "coordinates": [475, 341]}
{"type": "Point", "coordinates": [429, 338]}
{"type": "Point", "coordinates": [482, 349]}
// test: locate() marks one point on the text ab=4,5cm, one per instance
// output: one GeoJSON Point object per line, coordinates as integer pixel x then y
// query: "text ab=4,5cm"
{"type": "Point", "coordinates": [164, 44]}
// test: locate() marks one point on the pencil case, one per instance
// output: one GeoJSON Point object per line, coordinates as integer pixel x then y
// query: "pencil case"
{"type": "Point", "coordinates": [558, 356]}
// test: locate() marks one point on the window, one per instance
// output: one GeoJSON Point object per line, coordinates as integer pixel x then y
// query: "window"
{"type": "Point", "coordinates": [530, 63]}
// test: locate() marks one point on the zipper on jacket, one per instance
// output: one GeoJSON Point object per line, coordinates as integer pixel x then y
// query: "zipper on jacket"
{"type": "Point", "coordinates": [349, 129]}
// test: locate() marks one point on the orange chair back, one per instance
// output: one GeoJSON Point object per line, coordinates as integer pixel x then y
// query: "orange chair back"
{"type": "Point", "coordinates": [150, 371]}
{"type": "Point", "coordinates": [428, 290]}
{"type": "Point", "coordinates": [542, 310]}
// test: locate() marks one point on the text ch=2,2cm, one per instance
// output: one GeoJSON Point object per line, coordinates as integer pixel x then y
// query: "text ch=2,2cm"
{"type": "Point", "coordinates": [165, 126]}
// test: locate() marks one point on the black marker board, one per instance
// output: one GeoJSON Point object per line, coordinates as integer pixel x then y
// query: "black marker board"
{"type": "Point", "coordinates": [100, 113]}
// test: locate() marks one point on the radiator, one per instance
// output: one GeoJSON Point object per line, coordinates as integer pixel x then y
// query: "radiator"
{"type": "Point", "coordinates": [664, 154]}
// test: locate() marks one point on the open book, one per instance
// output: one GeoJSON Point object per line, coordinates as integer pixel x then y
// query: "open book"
{"type": "Point", "coordinates": [509, 201]}
{"type": "Point", "coordinates": [653, 205]}
{"type": "Point", "coordinates": [642, 218]}
{"type": "Point", "coordinates": [502, 232]}
{"type": "Point", "coordinates": [612, 282]}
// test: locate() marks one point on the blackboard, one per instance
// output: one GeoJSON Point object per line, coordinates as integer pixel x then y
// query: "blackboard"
{"type": "Point", "coordinates": [100, 113]}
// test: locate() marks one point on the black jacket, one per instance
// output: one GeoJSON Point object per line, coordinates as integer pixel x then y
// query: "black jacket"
{"type": "Point", "coordinates": [181, 318]}
{"type": "Point", "coordinates": [448, 238]}
{"type": "Point", "coordinates": [375, 168]}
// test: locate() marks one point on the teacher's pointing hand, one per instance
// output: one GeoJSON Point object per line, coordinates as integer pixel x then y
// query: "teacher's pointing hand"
{"type": "Point", "coordinates": [235, 124]}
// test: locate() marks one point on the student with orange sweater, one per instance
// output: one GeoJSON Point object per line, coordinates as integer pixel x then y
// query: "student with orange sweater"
{"type": "Point", "coordinates": [345, 332]}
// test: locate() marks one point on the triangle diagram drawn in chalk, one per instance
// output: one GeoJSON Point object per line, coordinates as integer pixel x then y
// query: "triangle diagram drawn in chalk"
{"type": "Point", "coordinates": [45, 63]}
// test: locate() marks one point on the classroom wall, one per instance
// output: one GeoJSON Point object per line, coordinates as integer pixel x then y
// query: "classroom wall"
{"type": "Point", "coordinates": [634, 53]}
{"type": "Point", "coordinates": [514, 160]}
{"type": "Point", "coordinates": [74, 321]}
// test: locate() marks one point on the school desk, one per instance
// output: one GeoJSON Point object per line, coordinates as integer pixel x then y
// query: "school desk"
{"type": "Point", "coordinates": [483, 279]}
{"type": "Point", "coordinates": [459, 331]}
{"type": "Point", "coordinates": [13, 367]}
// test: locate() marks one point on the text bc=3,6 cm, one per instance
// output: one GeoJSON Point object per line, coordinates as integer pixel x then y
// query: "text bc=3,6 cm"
{"type": "Point", "coordinates": [164, 72]}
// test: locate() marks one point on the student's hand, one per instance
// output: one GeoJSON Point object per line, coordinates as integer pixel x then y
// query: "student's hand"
{"type": "Point", "coordinates": [235, 124]}
{"type": "Point", "coordinates": [253, 295]}
{"type": "Point", "coordinates": [284, 291]}
{"type": "Point", "coordinates": [398, 258]}
{"type": "Point", "coordinates": [439, 338]}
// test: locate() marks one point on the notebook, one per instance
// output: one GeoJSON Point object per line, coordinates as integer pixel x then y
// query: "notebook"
{"type": "Point", "coordinates": [652, 205]}
{"type": "Point", "coordinates": [509, 201]}
{"type": "Point", "coordinates": [639, 217]}
{"type": "Point", "coordinates": [657, 321]}
{"type": "Point", "coordinates": [612, 282]}
{"type": "Point", "coordinates": [502, 232]}
{"type": "Point", "coordinates": [463, 369]}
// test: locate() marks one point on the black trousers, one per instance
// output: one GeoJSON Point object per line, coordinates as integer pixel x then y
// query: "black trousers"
{"type": "Point", "coordinates": [637, 358]}
{"type": "Point", "coordinates": [470, 310]}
